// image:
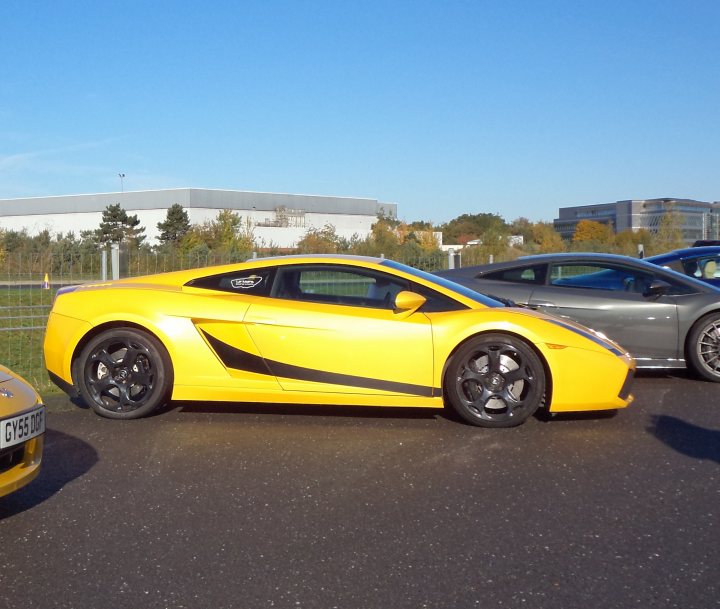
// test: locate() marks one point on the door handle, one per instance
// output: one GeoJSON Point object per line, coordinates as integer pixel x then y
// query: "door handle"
{"type": "Point", "coordinates": [541, 304]}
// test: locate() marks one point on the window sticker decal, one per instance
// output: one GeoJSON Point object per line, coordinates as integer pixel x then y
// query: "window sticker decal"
{"type": "Point", "coordinates": [246, 283]}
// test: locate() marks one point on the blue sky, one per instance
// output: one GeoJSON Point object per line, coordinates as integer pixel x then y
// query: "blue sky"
{"type": "Point", "coordinates": [509, 107]}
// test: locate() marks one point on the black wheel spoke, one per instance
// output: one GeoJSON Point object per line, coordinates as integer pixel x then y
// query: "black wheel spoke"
{"type": "Point", "coordinates": [493, 360]}
{"type": "Point", "coordinates": [468, 374]}
{"type": "Point", "coordinates": [102, 385]}
{"type": "Point", "coordinates": [105, 358]}
{"type": "Point", "coordinates": [130, 356]}
{"type": "Point", "coordinates": [519, 374]}
{"type": "Point", "coordinates": [124, 398]}
{"type": "Point", "coordinates": [141, 378]}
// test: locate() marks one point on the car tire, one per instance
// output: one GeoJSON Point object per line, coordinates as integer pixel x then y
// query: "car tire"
{"type": "Point", "coordinates": [495, 380]}
{"type": "Point", "coordinates": [124, 373]}
{"type": "Point", "coordinates": [703, 347]}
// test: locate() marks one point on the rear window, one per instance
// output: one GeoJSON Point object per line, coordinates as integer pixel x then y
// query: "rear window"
{"type": "Point", "coordinates": [526, 274]}
{"type": "Point", "coordinates": [254, 282]}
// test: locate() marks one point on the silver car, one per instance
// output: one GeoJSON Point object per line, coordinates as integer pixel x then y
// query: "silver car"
{"type": "Point", "coordinates": [663, 318]}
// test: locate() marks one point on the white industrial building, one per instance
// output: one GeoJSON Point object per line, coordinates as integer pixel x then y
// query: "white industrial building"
{"type": "Point", "coordinates": [279, 220]}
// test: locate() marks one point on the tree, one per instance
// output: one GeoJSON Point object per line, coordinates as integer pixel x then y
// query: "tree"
{"type": "Point", "coordinates": [112, 225]}
{"type": "Point", "coordinates": [669, 235]}
{"type": "Point", "coordinates": [589, 230]}
{"type": "Point", "coordinates": [117, 227]}
{"type": "Point", "coordinates": [319, 241]}
{"type": "Point", "coordinates": [628, 241]}
{"type": "Point", "coordinates": [469, 227]}
{"type": "Point", "coordinates": [14, 240]}
{"type": "Point", "coordinates": [546, 239]}
{"type": "Point", "coordinates": [175, 226]}
{"type": "Point", "coordinates": [134, 233]}
{"type": "Point", "coordinates": [225, 235]}
{"type": "Point", "coordinates": [523, 227]}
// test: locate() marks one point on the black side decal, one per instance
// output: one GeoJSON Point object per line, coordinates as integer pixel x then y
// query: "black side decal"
{"type": "Point", "coordinates": [242, 360]}
{"type": "Point", "coordinates": [236, 358]}
{"type": "Point", "coordinates": [333, 378]}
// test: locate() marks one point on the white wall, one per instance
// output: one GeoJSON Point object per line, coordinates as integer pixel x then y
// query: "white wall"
{"type": "Point", "coordinates": [345, 225]}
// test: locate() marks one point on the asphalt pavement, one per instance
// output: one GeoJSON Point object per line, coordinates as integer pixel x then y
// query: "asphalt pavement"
{"type": "Point", "coordinates": [241, 506]}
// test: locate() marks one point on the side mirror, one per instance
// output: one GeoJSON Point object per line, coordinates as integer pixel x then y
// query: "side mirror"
{"type": "Point", "coordinates": [657, 288]}
{"type": "Point", "coordinates": [408, 302]}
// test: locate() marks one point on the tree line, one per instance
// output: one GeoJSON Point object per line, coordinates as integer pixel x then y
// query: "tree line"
{"type": "Point", "coordinates": [229, 238]}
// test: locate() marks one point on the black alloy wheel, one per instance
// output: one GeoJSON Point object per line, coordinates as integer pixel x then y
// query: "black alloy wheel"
{"type": "Point", "coordinates": [124, 374]}
{"type": "Point", "coordinates": [495, 380]}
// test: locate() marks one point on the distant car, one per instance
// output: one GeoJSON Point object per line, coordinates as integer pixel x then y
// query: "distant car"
{"type": "Point", "coordinates": [22, 425]}
{"type": "Point", "coordinates": [665, 319]}
{"type": "Point", "coordinates": [343, 330]}
{"type": "Point", "coordinates": [700, 262]}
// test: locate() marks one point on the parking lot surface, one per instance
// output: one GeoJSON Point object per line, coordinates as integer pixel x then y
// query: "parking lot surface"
{"type": "Point", "coordinates": [237, 506]}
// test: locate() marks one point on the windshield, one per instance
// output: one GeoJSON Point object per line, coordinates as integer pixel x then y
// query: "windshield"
{"type": "Point", "coordinates": [445, 283]}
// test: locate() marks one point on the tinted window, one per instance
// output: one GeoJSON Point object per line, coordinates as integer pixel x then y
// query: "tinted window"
{"type": "Point", "coordinates": [256, 282]}
{"type": "Point", "coordinates": [599, 276]}
{"type": "Point", "coordinates": [449, 285]}
{"type": "Point", "coordinates": [335, 284]}
{"type": "Point", "coordinates": [436, 302]}
{"type": "Point", "coordinates": [706, 267]}
{"type": "Point", "coordinates": [353, 286]}
{"type": "Point", "coordinates": [525, 274]}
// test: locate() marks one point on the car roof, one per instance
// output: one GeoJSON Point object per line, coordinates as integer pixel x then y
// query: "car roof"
{"type": "Point", "coordinates": [474, 271]}
{"type": "Point", "coordinates": [560, 257]}
{"type": "Point", "coordinates": [687, 252]}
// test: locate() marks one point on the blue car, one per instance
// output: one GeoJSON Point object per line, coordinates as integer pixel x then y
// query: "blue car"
{"type": "Point", "coordinates": [703, 263]}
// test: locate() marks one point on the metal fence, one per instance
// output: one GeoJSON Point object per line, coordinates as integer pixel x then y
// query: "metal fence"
{"type": "Point", "coordinates": [28, 283]}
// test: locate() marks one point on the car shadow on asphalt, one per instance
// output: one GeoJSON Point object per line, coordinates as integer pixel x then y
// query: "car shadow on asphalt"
{"type": "Point", "coordinates": [372, 412]}
{"type": "Point", "coordinates": [359, 412]}
{"type": "Point", "coordinates": [65, 458]}
{"type": "Point", "coordinates": [688, 439]}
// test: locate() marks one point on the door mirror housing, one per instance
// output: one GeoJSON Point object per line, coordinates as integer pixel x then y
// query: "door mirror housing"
{"type": "Point", "coordinates": [406, 301]}
{"type": "Point", "coordinates": [657, 288]}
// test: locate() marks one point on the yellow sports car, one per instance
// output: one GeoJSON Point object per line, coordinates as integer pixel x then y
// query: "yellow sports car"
{"type": "Point", "coordinates": [344, 330]}
{"type": "Point", "coordinates": [22, 424]}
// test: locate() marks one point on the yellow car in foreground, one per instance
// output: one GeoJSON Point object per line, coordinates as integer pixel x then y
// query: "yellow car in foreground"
{"type": "Point", "coordinates": [341, 330]}
{"type": "Point", "coordinates": [22, 425]}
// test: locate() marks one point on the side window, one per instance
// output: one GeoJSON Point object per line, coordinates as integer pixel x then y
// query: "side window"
{"type": "Point", "coordinates": [702, 267]}
{"type": "Point", "coordinates": [527, 274]}
{"type": "Point", "coordinates": [691, 267]}
{"type": "Point", "coordinates": [340, 285]}
{"type": "Point", "coordinates": [708, 268]}
{"type": "Point", "coordinates": [600, 277]}
{"type": "Point", "coordinates": [678, 289]}
{"type": "Point", "coordinates": [436, 302]}
{"type": "Point", "coordinates": [255, 282]}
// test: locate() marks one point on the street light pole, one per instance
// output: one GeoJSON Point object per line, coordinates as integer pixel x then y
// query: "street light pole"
{"type": "Point", "coordinates": [122, 186]}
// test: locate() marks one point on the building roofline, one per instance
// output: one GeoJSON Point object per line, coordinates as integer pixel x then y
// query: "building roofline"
{"type": "Point", "coordinates": [189, 188]}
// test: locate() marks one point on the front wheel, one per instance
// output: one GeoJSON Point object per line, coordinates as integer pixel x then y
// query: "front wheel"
{"type": "Point", "coordinates": [124, 374]}
{"type": "Point", "coordinates": [703, 347]}
{"type": "Point", "coordinates": [495, 380]}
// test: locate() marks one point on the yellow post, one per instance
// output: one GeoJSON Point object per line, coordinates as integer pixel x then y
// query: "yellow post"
{"type": "Point", "coordinates": [46, 282]}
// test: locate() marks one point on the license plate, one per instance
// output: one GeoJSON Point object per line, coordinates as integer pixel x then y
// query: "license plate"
{"type": "Point", "coordinates": [22, 427]}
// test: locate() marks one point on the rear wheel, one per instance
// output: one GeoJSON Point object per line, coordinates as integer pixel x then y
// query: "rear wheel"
{"type": "Point", "coordinates": [124, 374]}
{"type": "Point", "coordinates": [495, 380]}
{"type": "Point", "coordinates": [703, 347]}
